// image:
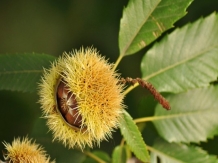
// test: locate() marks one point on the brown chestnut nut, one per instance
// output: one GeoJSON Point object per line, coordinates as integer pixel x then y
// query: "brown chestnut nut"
{"type": "Point", "coordinates": [73, 118]}
{"type": "Point", "coordinates": [67, 105]}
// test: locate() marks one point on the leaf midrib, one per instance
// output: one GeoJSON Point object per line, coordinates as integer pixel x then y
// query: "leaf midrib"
{"type": "Point", "coordinates": [137, 143]}
{"type": "Point", "coordinates": [134, 36]}
{"type": "Point", "coordinates": [20, 72]}
{"type": "Point", "coordinates": [155, 118]}
{"type": "Point", "coordinates": [179, 63]}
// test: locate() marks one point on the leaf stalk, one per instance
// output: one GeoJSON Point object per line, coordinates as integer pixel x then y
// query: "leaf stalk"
{"type": "Point", "coordinates": [96, 158]}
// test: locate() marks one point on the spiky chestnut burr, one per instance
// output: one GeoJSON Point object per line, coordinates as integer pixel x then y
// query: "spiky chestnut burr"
{"type": "Point", "coordinates": [24, 151]}
{"type": "Point", "coordinates": [81, 99]}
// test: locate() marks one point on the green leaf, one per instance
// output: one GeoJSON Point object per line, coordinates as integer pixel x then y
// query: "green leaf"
{"type": "Point", "coordinates": [100, 154]}
{"type": "Point", "coordinates": [119, 155]}
{"type": "Point", "coordinates": [179, 153]}
{"type": "Point", "coordinates": [145, 20]}
{"type": "Point", "coordinates": [185, 59]}
{"type": "Point", "coordinates": [193, 116]}
{"type": "Point", "coordinates": [133, 137]}
{"type": "Point", "coordinates": [21, 72]}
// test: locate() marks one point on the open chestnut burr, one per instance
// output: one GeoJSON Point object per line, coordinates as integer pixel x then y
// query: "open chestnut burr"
{"type": "Point", "coordinates": [67, 106]}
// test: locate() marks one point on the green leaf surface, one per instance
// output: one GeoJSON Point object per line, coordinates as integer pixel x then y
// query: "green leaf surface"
{"type": "Point", "coordinates": [193, 117]}
{"type": "Point", "coordinates": [185, 59]}
{"type": "Point", "coordinates": [145, 20]}
{"type": "Point", "coordinates": [119, 155]}
{"type": "Point", "coordinates": [179, 153]}
{"type": "Point", "coordinates": [21, 72]}
{"type": "Point", "coordinates": [133, 137]}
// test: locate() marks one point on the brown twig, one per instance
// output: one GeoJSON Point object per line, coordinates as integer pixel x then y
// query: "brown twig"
{"type": "Point", "coordinates": [150, 88]}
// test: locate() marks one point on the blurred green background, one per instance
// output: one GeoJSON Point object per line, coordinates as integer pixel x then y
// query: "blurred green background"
{"type": "Point", "coordinates": [55, 26]}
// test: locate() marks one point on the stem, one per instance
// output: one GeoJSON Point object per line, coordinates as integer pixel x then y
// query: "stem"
{"type": "Point", "coordinates": [154, 118]}
{"type": "Point", "coordinates": [96, 158]}
{"type": "Point", "coordinates": [122, 142]}
{"type": "Point", "coordinates": [145, 119]}
{"type": "Point", "coordinates": [130, 88]}
{"type": "Point", "coordinates": [117, 62]}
